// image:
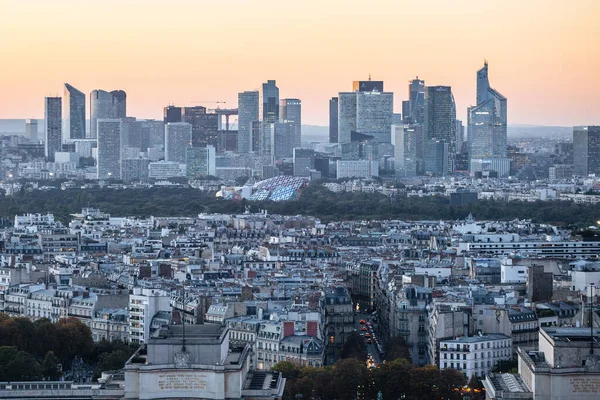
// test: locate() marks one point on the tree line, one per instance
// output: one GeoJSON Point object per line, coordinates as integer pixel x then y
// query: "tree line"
{"type": "Point", "coordinates": [41, 349]}
{"type": "Point", "coordinates": [316, 200]}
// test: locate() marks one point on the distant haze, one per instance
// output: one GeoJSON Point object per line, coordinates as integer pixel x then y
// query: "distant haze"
{"type": "Point", "coordinates": [543, 54]}
{"type": "Point", "coordinates": [321, 133]}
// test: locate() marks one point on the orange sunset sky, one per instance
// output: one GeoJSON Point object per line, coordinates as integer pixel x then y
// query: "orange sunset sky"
{"type": "Point", "coordinates": [544, 55]}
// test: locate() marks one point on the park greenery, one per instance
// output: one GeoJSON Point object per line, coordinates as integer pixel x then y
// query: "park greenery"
{"type": "Point", "coordinates": [41, 349]}
{"type": "Point", "coordinates": [350, 378]}
{"type": "Point", "coordinates": [316, 200]}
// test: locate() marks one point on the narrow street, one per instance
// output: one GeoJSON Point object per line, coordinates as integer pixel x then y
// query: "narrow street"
{"type": "Point", "coordinates": [368, 335]}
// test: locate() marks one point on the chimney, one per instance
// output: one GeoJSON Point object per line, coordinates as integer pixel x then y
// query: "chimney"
{"type": "Point", "coordinates": [288, 328]}
{"type": "Point", "coordinates": [311, 328]}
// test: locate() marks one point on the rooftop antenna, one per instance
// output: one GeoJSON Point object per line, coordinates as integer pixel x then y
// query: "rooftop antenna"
{"type": "Point", "coordinates": [591, 318]}
{"type": "Point", "coordinates": [182, 313]}
{"type": "Point", "coordinates": [369, 76]}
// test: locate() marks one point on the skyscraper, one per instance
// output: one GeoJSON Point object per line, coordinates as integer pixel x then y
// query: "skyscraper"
{"type": "Point", "coordinates": [74, 113]}
{"type": "Point", "coordinates": [52, 126]}
{"type": "Point", "coordinates": [367, 86]}
{"type": "Point", "coordinates": [109, 148]}
{"type": "Point", "coordinates": [205, 126]}
{"type": "Point", "coordinates": [31, 129]}
{"type": "Point", "coordinates": [178, 137]}
{"type": "Point", "coordinates": [439, 127]}
{"type": "Point", "coordinates": [172, 114]}
{"type": "Point", "coordinates": [269, 114]}
{"type": "Point", "coordinates": [200, 162]}
{"type": "Point", "coordinates": [333, 120]}
{"type": "Point", "coordinates": [106, 105]}
{"type": "Point", "coordinates": [283, 139]}
{"type": "Point", "coordinates": [487, 121]}
{"type": "Point", "coordinates": [368, 112]}
{"type": "Point", "coordinates": [416, 101]}
{"type": "Point", "coordinates": [374, 114]}
{"type": "Point", "coordinates": [247, 113]}
{"type": "Point", "coordinates": [269, 102]}
{"type": "Point", "coordinates": [291, 112]}
{"type": "Point", "coordinates": [586, 150]}
{"type": "Point", "coordinates": [119, 103]}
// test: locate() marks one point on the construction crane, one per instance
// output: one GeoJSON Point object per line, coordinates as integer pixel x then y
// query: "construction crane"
{"type": "Point", "coordinates": [210, 101]}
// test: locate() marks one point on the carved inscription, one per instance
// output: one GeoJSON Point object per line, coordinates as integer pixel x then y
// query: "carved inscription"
{"type": "Point", "coordinates": [181, 382]}
{"type": "Point", "coordinates": [585, 385]}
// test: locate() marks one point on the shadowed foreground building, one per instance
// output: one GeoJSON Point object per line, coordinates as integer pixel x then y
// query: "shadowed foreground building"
{"type": "Point", "coordinates": [201, 366]}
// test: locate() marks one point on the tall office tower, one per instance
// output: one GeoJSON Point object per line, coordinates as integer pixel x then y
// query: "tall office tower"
{"type": "Point", "coordinates": [367, 86]}
{"type": "Point", "coordinates": [134, 169]}
{"type": "Point", "coordinates": [290, 110]}
{"type": "Point", "coordinates": [255, 138]}
{"type": "Point", "coordinates": [439, 126]}
{"type": "Point", "coordinates": [408, 142]}
{"type": "Point", "coordinates": [460, 135]}
{"type": "Point", "coordinates": [74, 113]}
{"type": "Point", "coordinates": [247, 113]}
{"type": "Point", "coordinates": [205, 126]}
{"type": "Point", "coordinates": [200, 162]}
{"type": "Point", "coordinates": [152, 132]}
{"type": "Point", "coordinates": [109, 148]}
{"type": "Point", "coordinates": [52, 126]}
{"type": "Point", "coordinates": [406, 111]}
{"type": "Point", "coordinates": [304, 161]}
{"type": "Point", "coordinates": [416, 101]}
{"type": "Point", "coordinates": [31, 129]}
{"type": "Point", "coordinates": [119, 103]}
{"type": "Point", "coordinates": [487, 121]}
{"type": "Point", "coordinates": [283, 139]}
{"type": "Point", "coordinates": [269, 114]}
{"type": "Point", "coordinates": [586, 150]}
{"type": "Point", "coordinates": [333, 120]}
{"type": "Point", "coordinates": [106, 105]}
{"type": "Point", "coordinates": [178, 137]}
{"type": "Point", "coordinates": [366, 112]}
{"type": "Point", "coordinates": [346, 116]}
{"type": "Point", "coordinates": [172, 114]}
{"type": "Point", "coordinates": [374, 114]}
{"type": "Point", "coordinates": [269, 102]}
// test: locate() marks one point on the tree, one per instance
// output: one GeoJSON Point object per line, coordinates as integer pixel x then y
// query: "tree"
{"type": "Point", "coordinates": [477, 392]}
{"type": "Point", "coordinates": [290, 371]}
{"type": "Point", "coordinates": [450, 383]}
{"type": "Point", "coordinates": [392, 379]}
{"type": "Point", "coordinates": [424, 382]}
{"type": "Point", "coordinates": [75, 339]}
{"type": "Point", "coordinates": [354, 347]}
{"type": "Point", "coordinates": [23, 367]}
{"type": "Point", "coordinates": [396, 347]}
{"type": "Point", "coordinates": [349, 378]}
{"type": "Point", "coordinates": [50, 369]}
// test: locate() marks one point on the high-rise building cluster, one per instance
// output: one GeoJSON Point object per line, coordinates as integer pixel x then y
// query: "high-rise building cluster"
{"type": "Point", "coordinates": [426, 139]}
{"type": "Point", "coordinates": [192, 141]}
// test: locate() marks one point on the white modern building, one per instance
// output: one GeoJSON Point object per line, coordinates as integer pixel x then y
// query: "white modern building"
{"type": "Point", "coordinates": [476, 355]}
{"type": "Point", "coordinates": [161, 170]}
{"type": "Point", "coordinates": [356, 169]}
{"type": "Point", "coordinates": [178, 136]}
{"type": "Point", "coordinates": [144, 304]}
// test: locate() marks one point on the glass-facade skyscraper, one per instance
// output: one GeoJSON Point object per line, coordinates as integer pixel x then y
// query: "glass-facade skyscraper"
{"type": "Point", "coordinates": [106, 105]}
{"type": "Point", "coordinates": [52, 126]}
{"type": "Point", "coordinates": [487, 121]}
{"type": "Point", "coordinates": [248, 108]}
{"type": "Point", "coordinates": [586, 150]}
{"type": "Point", "coordinates": [333, 120]}
{"type": "Point", "coordinates": [109, 148]}
{"type": "Point", "coordinates": [416, 101]}
{"type": "Point", "coordinates": [178, 137]}
{"type": "Point", "coordinates": [74, 113]}
{"type": "Point", "coordinates": [439, 129]}
{"type": "Point", "coordinates": [290, 111]}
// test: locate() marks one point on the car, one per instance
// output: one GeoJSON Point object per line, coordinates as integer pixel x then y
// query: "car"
{"type": "Point", "coordinates": [368, 335]}
{"type": "Point", "coordinates": [362, 321]}
{"type": "Point", "coordinates": [369, 341]}
{"type": "Point", "coordinates": [364, 329]}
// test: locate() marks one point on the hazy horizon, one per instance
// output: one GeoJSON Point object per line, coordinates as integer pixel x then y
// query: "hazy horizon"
{"type": "Point", "coordinates": [541, 53]}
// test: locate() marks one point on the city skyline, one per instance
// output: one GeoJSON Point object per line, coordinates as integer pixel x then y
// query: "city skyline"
{"type": "Point", "coordinates": [547, 68]}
